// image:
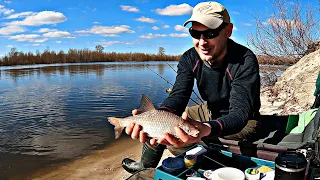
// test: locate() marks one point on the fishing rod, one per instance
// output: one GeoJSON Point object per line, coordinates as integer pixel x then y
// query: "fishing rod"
{"type": "Point", "coordinates": [192, 88]}
{"type": "Point", "coordinates": [168, 82]}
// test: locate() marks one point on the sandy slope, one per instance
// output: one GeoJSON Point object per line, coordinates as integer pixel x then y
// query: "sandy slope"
{"type": "Point", "coordinates": [293, 92]}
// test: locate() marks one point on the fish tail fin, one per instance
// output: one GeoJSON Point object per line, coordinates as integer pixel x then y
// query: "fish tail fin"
{"type": "Point", "coordinates": [117, 126]}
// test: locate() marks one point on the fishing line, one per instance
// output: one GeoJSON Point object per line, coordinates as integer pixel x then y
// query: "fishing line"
{"type": "Point", "coordinates": [192, 88]}
{"type": "Point", "coordinates": [168, 82]}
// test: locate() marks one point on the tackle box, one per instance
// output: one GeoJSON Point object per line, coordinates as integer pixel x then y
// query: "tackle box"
{"type": "Point", "coordinates": [213, 159]}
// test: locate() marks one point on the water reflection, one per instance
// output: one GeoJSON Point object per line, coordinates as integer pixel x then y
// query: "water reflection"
{"type": "Point", "coordinates": [75, 70]}
{"type": "Point", "coordinates": [59, 112]}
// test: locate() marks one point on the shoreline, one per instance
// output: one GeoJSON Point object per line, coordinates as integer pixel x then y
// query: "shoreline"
{"type": "Point", "coordinates": [103, 164]}
{"type": "Point", "coordinates": [100, 164]}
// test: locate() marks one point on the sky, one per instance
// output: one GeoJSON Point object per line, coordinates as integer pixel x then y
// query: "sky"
{"type": "Point", "coordinates": [118, 25]}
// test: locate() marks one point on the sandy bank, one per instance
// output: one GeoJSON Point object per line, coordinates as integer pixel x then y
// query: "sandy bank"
{"type": "Point", "coordinates": [103, 164]}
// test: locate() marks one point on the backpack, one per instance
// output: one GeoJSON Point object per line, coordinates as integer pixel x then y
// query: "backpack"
{"type": "Point", "coordinates": [317, 93]}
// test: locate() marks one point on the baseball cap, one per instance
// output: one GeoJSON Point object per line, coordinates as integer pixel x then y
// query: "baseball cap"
{"type": "Point", "coordinates": [210, 14]}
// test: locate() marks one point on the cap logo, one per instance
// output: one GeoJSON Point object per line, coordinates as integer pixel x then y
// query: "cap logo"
{"type": "Point", "coordinates": [203, 8]}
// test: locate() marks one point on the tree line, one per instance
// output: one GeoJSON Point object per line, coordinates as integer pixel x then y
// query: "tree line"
{"type": "Point", "coordinates": [15, 57]}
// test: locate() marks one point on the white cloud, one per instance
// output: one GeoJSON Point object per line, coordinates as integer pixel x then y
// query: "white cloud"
{"type": "Point", "coordinates": [35, 44]}
{"type": "Point", "coordinates": [176, 35]}
{"type": "Point", "coordinates": [9, 46]}
{"type": "Point", "coordinates": [20, 15]}
{"type": "Point", "coordinates": [166, 26]}
{"type": "Point", "coordinates": [56, 34]}
{"type": "Point", "coordinates": [235, 12]}
{"type": "Point", "coordinates": [180, 28]}
{"type": "Point", "coordinates": [155, 28]}
{"type": "Point", "coordinates": [109, 43]}
{"type": "Point", "coordinates": [5, 11]}
{"type": "Point", "coordinates": [11, 30]}
{"type": "Point", "coordinates": [40, 40]}
{"type": "Point", "coordinates": [145, 19]}
{"type": "Point", "coordinates": [8, 2]}
{"type": "Point", "coordinates": [129, 8]}
{"type": "Point", "coordinates": [58, 42]}
{"type": "Point", "coordinates": [96, 22]}
{"type": "Point", "coordinates": [45, 30]}
{"type": "Point", "coordinates": [41, 18]}
{"type": "Point", "coordinates": [107, 30]}
{"type": "Point", "coordinates": [247, 24]}
{"type": "Point", "coordinates": [24, 37]}
{"type": "Point", "coordinates": [150, 36]}
{"type": "Point", "coordinates": [234, 28]}
{"type": "Point", "coordinates": [175, 10]}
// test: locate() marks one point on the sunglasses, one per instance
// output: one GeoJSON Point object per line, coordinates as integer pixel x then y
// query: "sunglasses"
{"type": "Point", "coordinates": [207, 34]}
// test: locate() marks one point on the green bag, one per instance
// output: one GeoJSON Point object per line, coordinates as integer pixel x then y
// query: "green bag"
{"type": "Point", "coordinates": [303, 120]}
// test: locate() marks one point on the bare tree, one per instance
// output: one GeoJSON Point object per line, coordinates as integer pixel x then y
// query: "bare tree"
{"type": "Point", "coordinates": [13, 52]}
{"type": "Point", "coordinates": [287, 32]}
{"type": "Point", "coordinates": [161, 51]}
{"type": "Point", "coordinates": [99, 48]}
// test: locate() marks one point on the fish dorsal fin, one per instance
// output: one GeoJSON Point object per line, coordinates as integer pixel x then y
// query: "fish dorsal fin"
{"type": "Point", "coordinates": [145, 104]}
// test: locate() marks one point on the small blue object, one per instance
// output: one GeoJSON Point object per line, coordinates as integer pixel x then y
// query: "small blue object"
{"type": "Point", "coordinates": [173, 165]}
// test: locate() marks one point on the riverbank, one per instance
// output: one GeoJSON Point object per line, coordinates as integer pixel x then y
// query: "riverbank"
{"type": "Point", "coordinates": [99, 165]}
{"type": "Point", "coordinates": [104, 164]}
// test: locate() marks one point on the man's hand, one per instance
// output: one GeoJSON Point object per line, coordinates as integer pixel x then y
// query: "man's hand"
{"type": "Point", "coordinates": [183, 138]}
{"type": "Point", "coordinates": [136, 131]}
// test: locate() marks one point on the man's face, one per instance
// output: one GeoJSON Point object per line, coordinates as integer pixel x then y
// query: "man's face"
{"type": "Point", "coordinates": [211, 49]}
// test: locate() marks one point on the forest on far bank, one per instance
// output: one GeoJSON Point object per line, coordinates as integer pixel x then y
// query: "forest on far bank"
{"type": "Point", "coordinates": [15, 57]}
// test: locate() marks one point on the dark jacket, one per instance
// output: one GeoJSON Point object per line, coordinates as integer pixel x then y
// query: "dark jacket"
{"type": "Point", "coordinates": [232, 89]}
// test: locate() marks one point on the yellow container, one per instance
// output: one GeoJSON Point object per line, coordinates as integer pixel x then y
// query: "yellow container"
{"type": "Point", "coordinates": [190, 160]}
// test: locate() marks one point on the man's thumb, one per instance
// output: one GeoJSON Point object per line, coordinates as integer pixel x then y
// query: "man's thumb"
{"type": "Point", "coordinates": [135, 112]}
{"type": "Point", "coordinates": [185, 116]}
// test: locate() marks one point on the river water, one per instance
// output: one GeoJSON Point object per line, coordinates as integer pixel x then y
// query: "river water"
{"type": "Point", "coordinates": [54, 113]}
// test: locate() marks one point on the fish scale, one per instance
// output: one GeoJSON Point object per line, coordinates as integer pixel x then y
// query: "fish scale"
{"type": "Point", "coordinates": [160, 122]}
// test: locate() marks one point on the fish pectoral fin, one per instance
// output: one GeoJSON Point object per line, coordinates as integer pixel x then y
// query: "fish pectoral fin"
{"type": "Point", "coordinates": [145, 104]}
{"type": "Point", "coordinates": [117, 127]}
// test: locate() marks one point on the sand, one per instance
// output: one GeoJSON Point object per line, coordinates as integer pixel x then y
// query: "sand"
{"type": "Point", "coordinates": [103, 164]}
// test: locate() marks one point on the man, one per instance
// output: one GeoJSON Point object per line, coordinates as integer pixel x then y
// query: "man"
{"type": "Point", "coordinates": [227, 76]}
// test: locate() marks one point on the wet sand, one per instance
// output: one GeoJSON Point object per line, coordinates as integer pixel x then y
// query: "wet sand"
{"type": "Point", "coordinates": [102, 164]}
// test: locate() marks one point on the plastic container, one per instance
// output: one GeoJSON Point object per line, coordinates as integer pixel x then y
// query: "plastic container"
{"type": "Point", "coordinates": [190, 160]}
{"type": "Point", "coordinates": [252, 174]}
{"type": "Point", "coordinates": [173, 165]}
{"type": "Point", "coordinates": [227, 173]}
{"type": "Point", "coordinates": [290, 165]}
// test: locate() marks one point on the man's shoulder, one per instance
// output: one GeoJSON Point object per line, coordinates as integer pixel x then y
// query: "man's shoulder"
{"type": "Point", "coordinates": [190, 52]}
{"type": "Point", "coordinates": [240, 49]}
{"type": "Point", "coordinates": [190, 55]}
{"type": "Point", "coordinates": [239, 54]}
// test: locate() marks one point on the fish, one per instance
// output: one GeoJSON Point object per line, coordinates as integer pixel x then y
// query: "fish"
{"type": "Point", "coordinates": [154, 122]}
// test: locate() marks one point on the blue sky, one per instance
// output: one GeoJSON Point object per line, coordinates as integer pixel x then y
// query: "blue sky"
{"type": "Point", "coordinates": [120, 26]}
